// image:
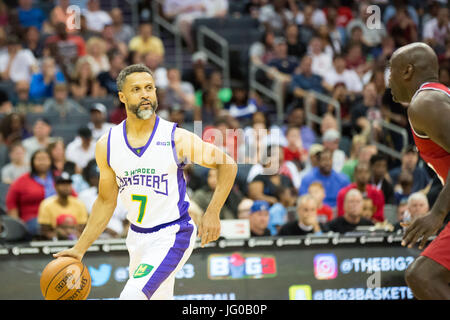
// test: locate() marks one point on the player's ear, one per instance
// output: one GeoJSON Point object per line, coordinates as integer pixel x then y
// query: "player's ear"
{"type": "Point", "coordinates": [122, 97]}
{"type": "Point", "coordinates": [408, 72]}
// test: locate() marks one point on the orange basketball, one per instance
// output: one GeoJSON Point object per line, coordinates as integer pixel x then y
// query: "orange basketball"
{"type": "Point", "coordinates": [65, 278]}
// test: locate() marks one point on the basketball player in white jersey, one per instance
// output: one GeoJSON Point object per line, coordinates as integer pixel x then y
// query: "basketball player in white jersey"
{"type": "Point", "coordinates": [142, 161]}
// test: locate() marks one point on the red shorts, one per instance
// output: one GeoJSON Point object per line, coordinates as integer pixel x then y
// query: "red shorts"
{"type": "Point", "coordinates": [439, 249]}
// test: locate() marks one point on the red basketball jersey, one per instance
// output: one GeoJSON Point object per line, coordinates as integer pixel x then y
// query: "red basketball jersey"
{"type": "Point", "coordinates": [432, 153]}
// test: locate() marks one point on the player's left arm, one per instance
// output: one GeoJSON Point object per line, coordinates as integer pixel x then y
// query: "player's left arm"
{"type": "Point", "coordinates": [429, 115]}
{"type": "Point", "coordinates": [190, 148]}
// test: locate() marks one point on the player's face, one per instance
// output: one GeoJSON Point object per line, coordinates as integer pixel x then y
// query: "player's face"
{"type": "Point", "coordinates": [139, 95]}
{"type": "Point", "coordinates": [396, 82]}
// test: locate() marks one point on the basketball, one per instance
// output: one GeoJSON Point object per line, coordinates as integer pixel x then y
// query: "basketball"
{"type": "Point", "coordinates": [65, 278]}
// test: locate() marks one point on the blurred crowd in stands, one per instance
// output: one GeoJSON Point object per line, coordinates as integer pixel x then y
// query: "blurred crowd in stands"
{"type": "Point", "coordinates": [58, 96]}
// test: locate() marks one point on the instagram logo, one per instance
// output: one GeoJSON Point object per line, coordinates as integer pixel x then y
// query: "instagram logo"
{"type": "Point", "coordinates": [325, 266]}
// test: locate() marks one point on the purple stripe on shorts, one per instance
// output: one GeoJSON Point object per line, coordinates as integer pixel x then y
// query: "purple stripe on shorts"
{"type": "Point", "coordinates": [171, 260]}
{"type": "Point", "coordinates": [135, 228]}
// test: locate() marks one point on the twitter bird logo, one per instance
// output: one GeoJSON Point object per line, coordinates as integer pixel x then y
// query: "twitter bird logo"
{"type": "Point", "coordinates": [100, 275]}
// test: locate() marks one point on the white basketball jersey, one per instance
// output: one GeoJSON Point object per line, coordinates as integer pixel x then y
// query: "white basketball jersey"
{"type": "Point", "coordinates": [150, 179]}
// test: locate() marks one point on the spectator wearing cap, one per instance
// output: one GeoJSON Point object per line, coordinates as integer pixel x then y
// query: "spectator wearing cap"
{"type": "Point", "coordinates": [331, 180]}
{"type": "Point", "coordinates": [306, 222]}
{"type": "Point", "coordinates": [259, 219]}
{"type": "Point", "coordinates": [117, 225]}
{"type": "Point", "coordinates": [41, 137]}
{"type": "Point", "coordinates": [82, 149]}
{"type": "Point", "coordinates": [330, 141]}
{"type": "Point", "coordinates": [63, 203]}
{"type": "Point", "coordinates": [16, 63]}
{"type": "Point", "coordinates": [362, 183]}
{"type": "Point", "coordinates": [98, 124]}
{"type": "Point", "coordinates": [352, 218]}
{"type": "Point", "coordinates": [66, 227]}
{"type": "Point", "coordinates": [410, 163]}
{"type": "Point", "coordinates": [42, 83]}
{"type": "Point", "coordinates": [61, 104]}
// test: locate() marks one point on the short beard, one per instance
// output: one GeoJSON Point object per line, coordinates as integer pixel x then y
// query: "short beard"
{"type": "Point", "coordinates": [143, 114]}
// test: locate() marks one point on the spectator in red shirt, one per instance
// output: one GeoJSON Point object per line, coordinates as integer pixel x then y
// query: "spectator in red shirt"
{"type": "Point", "coordinates": [294, 150]}
{"type": "Point", "coordinates": [26, 193]}
{"type": "Point", "coordinates": [324, 212]}
{"type": "Point", "coordinates": [362, 178]}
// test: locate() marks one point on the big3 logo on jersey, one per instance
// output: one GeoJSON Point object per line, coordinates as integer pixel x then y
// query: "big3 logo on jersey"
{"type": "Point", "coordinates": [241, 266]}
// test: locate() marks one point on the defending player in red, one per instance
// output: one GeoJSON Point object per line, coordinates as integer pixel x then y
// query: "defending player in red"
{"type": "Point", "coordinates": [414, 80]}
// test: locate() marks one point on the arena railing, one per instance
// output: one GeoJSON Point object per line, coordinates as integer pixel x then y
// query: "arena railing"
{"type": "Point", "coordinates": [312, 117]}
{"type": "Point", "coordinates": [275, 93]}
{"type": "Point", "coordinates": [384, 148]}
{"type": "Point", "coordinates": [159, 22]}
{"type": "Point", "coordinates": [223, 61]}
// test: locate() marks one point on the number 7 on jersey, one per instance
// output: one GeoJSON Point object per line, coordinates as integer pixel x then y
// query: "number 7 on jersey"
{"type": "Point", "coordinates": [143, 204]}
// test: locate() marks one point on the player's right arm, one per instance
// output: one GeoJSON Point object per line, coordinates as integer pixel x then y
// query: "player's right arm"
{"type": "Point", "coordinates": [429, 115]}
{"type": "Point", "coordinates": [103, 207]}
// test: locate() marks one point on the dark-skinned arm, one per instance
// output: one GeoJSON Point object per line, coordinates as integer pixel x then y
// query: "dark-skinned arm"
{"type": "Point", "coordinates": [429, 115]}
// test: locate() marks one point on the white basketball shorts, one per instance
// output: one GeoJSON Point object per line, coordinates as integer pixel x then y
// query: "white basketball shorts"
{"type": "Point", "coordinates": [156, 255]}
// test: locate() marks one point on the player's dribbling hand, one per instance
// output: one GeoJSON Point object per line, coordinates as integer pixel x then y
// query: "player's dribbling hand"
{"type": "Point", "coordinates": [424, 227]}
{"type": "Point", "coordinates": [209, 228]}
{"type": "Point", "coordinates": [69, 253]}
